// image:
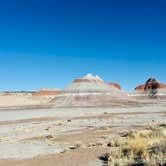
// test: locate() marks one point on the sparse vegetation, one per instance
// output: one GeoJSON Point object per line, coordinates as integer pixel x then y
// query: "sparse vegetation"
{"type": "Point", "coordinates": [142, 148]}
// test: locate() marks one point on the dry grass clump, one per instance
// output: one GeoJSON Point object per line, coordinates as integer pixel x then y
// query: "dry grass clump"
{"type": "Point", "coordinates": [143, 148]}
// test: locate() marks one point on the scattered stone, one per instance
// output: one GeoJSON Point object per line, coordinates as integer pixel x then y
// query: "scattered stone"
{"type": "Point", "coordinates": [103, 137]}
{"type": "Point", "coordinates": [49, 136]}
{"type": "Point", "coordinates": [91, 145]}
{"type": "Point", "coordinates": [47, 128]}
{"type": "Point", "coordinates": [72, 148]}
{"type": "Point", "coordinates": [76, 146]}
{"type": "Point", "coordinates": [109, 144]}
{"type": "Point", "coordinates": [99, 144]}
{"type": "Point", "coordinates": [105, 157]}
{"type": "Point", "coordinates": [60, 124]}
{"type": "Point", "coordinates": [49, 144]}
{"type": "Point", "coordinates": [163, 125]}
{"type": "Point", "coordinates": [124, 133]}
{"type": "Point", "coordinates": [64, 151]}
{"type": "Point", "coordinates": [103, 128]}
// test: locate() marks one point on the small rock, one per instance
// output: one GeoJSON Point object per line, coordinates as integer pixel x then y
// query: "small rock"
{"type": "Point", "coordinates": [105, 157]}
{"type": "Point", "coordinates": [91, 144]}
{"type": "Point", "coordinates": [47, 128]}
{"type": "Point", "coordinates": [76, 146]}
{"type": "Point", "coordinates": [60, 124]}
{"type": "Point", "coordinates": [103, 137]}
{"type": "Point", "coordinates": [163, 125]}
{"type": "Point", "coordinates": [72, 148]}
{"type": "Point", "coordinates": [49, 136]}
{"type": "Point", "coordinates": [109, 144]}
{"type": "Point", "coordinates": [103, 128]}
{"type": "Point", "coordinates": [124, 133]}
{"type": "Point", "coordinates": [64, 151]}
{"type": "Point", "coordinates": [99, 144]}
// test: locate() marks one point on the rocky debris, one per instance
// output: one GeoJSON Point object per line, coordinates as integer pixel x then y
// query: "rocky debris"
{"type": "Point", "coordinates": [99, 144]}
{"type": "Point", "coordinates": [109, 144]}
{"type": "Point", "coordinates": [49, 136]}
{"type": "Point", "coordinates": [103, 128]}
{"type": "Point", "coordinates": [103, 137]}
{"type": "Point", "coordinates": [59, 124]}
{"type": "Point", "coordinates": [48, 128]}
{"type": "Point", "coordinates": [91, 145]}
{"type": "Point", "coordinates": [104, 157]}
{"type": "Point", "coordinates": [64, 151]}
{"type": "Point", "coordinates": [72, 148]}
{"type": "Point", "coordinates": [124, 133]}
{"type": "Point", "coordinates": [105, 113]}
{"type": "Point", "coordinates": [163, 125]}
{"type": "Point", "coordinates": [76, 146]}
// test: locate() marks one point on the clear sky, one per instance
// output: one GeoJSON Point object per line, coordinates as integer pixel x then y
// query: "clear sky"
{"type": "Point", "coordinates": [48, 43]}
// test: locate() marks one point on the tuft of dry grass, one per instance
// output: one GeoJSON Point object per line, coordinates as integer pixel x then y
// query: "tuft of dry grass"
{"type": "Point", "coordinates": [142, 148]}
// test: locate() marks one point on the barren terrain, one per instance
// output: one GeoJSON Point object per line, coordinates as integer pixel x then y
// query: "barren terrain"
{"type": "Point", "coordinates": [68, 136]}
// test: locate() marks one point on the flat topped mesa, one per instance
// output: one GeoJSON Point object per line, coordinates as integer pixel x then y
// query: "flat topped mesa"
{"type": "Point", "coordinates": [89, 78]}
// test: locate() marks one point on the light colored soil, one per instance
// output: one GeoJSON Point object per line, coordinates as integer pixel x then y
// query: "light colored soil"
{"type": "Point", "coordinates": [81, 157]}
{"type": "Point", "coordinates": [67, 137]}
{"type": "Point", "coordinates": [21, 100]}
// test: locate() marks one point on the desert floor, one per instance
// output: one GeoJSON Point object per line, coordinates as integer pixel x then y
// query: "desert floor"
{"type": "Point", "coordinates": [68, 137]}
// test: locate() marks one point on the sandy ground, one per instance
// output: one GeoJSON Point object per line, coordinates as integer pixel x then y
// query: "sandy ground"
{"type": "Point", "coordinates": [79, 157]}
{"type": "Point", "coordinates": [68, 137]}
{"type": "Point", "coordinates": [21, 100]}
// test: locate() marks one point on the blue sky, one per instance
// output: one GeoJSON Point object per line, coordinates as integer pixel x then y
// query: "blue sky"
{"type": "Point", "coordinates": [49, 43]}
